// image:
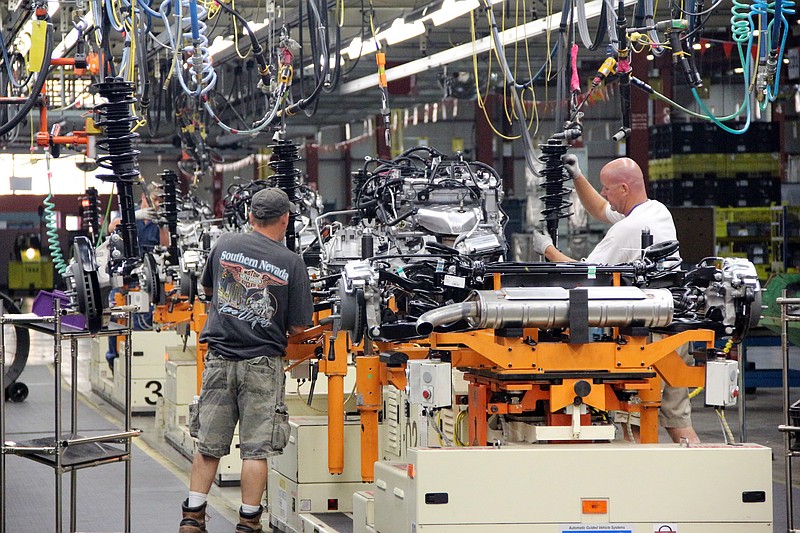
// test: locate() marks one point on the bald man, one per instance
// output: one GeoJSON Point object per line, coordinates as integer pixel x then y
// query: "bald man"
{"type": "Point", "coordinates": [623, 202]}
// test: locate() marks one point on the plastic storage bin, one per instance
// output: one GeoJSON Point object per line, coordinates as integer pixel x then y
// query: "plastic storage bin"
{"type": "Point", "coordinates": [43, 306]}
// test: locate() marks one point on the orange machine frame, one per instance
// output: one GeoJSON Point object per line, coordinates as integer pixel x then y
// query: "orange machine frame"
{"type": "Point", "coordinates": [493, 363]}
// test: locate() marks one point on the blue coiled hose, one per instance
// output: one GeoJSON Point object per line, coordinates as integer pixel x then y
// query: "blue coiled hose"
{"type": "Point", "coordinates": [204, 77]}
{"type": "Point", "coordinates": [781, 8]}
{"type": "Point", "coordinates": [742, 30]}
{"type": "Point", "coordinates": [51, 221]}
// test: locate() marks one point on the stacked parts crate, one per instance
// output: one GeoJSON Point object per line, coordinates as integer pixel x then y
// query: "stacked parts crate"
{"type": "Point", "coordinates": [767, 236]}
{"type": "Point", "coordinates": [698, 164]}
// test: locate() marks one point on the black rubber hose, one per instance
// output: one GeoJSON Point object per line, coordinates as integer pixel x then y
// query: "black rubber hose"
{"type": "Point", "coordinates": [23, 344]}
{"type": "Point", "coordinates": [258, 52]}
{"type": "Point", "coordinates": [37, 86]}
{"type": "Point", "coordinates": [305, 103]}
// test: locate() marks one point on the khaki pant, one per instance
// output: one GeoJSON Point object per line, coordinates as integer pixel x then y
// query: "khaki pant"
{"type": "Point", "coordinates": [250, 392]}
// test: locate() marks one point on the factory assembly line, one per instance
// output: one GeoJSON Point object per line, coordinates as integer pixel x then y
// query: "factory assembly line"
{"type": "Point", "coordinates": [412, 296]}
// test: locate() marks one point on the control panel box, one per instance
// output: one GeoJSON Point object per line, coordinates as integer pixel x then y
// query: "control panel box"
{"type": "Point", "coordinates": [722, 382]}
{"type": "Point", "coordinates": [429, 382]}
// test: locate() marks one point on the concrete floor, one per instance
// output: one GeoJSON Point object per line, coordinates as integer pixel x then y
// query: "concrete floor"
{"type": "Point", "coordinates": [764, 412]}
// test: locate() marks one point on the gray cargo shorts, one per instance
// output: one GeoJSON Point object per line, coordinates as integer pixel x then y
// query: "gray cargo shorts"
{"type": "Point", "coordinates": [250, 392]}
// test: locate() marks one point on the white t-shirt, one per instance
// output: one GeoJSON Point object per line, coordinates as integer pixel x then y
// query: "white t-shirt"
{"type": "Point", "coordinates": [623, 242]}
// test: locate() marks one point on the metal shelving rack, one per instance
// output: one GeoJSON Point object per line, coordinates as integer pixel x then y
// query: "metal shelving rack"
{"type": "Point", "coordinates": [790, 312]}
{"type": "Point", "coordinates": [72, 452]}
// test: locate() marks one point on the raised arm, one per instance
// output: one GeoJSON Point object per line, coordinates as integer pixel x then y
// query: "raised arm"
{"type": "Point", "coordinates": [594, 203]}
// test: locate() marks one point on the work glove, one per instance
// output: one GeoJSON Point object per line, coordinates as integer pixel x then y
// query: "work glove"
{"type": "Point", "coordinates": [541, 241]}
{"type": "Point", "coordinates": [571, 165]}
{"type": "Point", "coordinates": [146, 213]}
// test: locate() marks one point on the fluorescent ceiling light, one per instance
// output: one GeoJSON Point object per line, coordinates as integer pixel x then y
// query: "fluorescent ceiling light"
{"type": "Point", "coordinates": [221, 46]}
{"type": "Point", "coordinates": [463, 51]}
{"type": "Point", "coordinates": [452, 9]}
{"type": "Point", "coordinates": [400, 31]}
{"type": "Point", "coordinates": [255, 26]}
{"type": "Point", "coordinates": [354, 49]}
{"type": "Point", "coordinates": [358, 48]}
{"type": "Point", "coordinates": [309, 69]}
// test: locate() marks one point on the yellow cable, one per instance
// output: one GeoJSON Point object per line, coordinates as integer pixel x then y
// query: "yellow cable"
{"type": "Point", "coordinates": [438, 422]}
{"type": "Point", "coordinates": [107, 217]}
{"type": "Point", "coordinates": [494, 51]}
{"type": "Point", "coordinates": [510, 114]}
{"type": "Point", "coordinates": [481, 100]}
{"type": "Point", "coordinates": [726, 350]}
{"type": "Point", "coordinates": [758, 47]}
{"type": "Point", "coordinates": [114, 13]}
{"type": "Point", "coordinates": [457, 428]}
{"type": "Point", "coordinates": [213, 9]}
{"type": "Point", "coordinates": [534, 111]}
{"type": "Point", "coordinates": [516, 36]}
{"type": "Point", "coordinates": [236, 37]}
{"type": "Point", "coordinates": [372, 26]}
{"type": "Point", "coordinates": [727, 429]}
{"type": "Point", "coordinates": [728, 345]}
{"type": "Point", "coordinates": [129, 25]}
{"type": "Point", "coordinates": [548, 58]}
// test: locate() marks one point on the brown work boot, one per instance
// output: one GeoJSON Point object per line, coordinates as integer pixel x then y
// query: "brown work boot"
{"type": "Point", "coordinates": [250, 523]}
{"type": "Point", "coordinates": [194, 518]}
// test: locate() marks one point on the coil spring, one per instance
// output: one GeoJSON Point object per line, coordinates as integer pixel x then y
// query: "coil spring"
{"type": "Point", "coordinates": [90, 217]}
{"type": "Point", "coordinates": [169, 211]}
{"type": "Point", "coordinates": [286, 174]}
{"type": "Point", "coordinates": [555, 202]}
{"type": "Point", "coordinates": [286, 177]}
{"type": "Point", "coordinates": [122, 160]}
{"type": "Point", "coordinates": [51, 222]}
{"type": "Point", "coordinates": [741, 29]}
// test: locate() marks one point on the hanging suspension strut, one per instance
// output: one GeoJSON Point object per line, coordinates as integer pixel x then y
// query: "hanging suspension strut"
{"type": "Point", "coordinates": [286, 177]}
{"type": "Point", "coordinates": [169, 211]}
{"type": "Point", "coordinates": [556, 205]}
{"type": "Point", "coordinates": [116, 119]}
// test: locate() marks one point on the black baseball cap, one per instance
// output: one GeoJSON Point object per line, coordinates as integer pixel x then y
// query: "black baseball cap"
{"type": "Point", "coordinates": [270, 203]}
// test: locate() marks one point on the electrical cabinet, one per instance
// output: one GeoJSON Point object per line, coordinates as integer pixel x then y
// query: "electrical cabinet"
{"type": "Point", "coordinates": [722, 382]}
{"type": "Point", "coordinates": [429, 382]}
